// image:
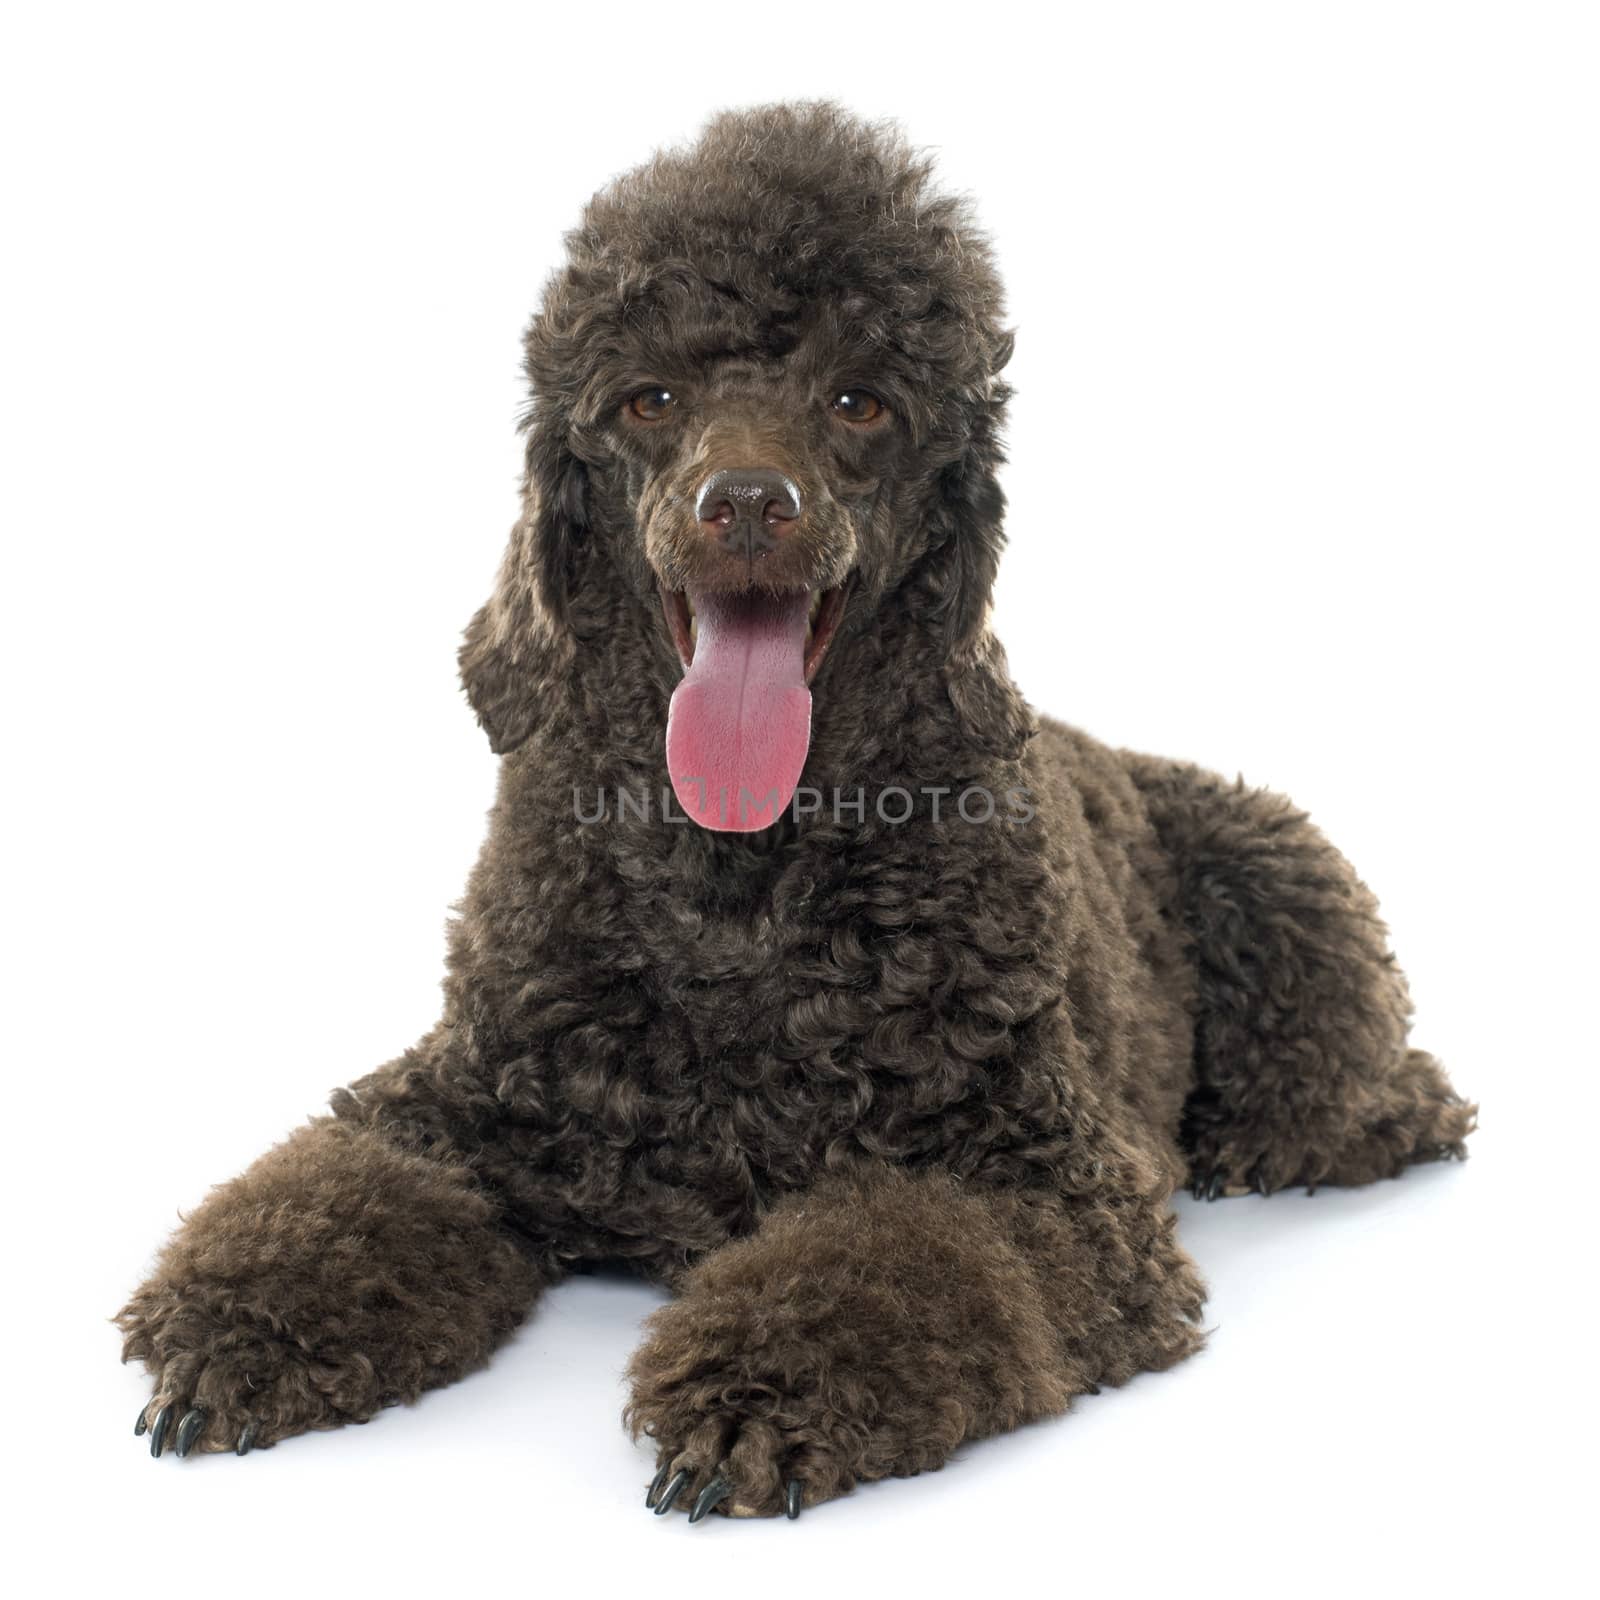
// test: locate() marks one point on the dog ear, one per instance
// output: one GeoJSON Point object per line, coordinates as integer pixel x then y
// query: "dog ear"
{"type": "Point", "coordinates": [991, 708]}
{"type": "Point", "coordinates": [965, 561]}
{"type": "Point", "coordinates": [521, 637]}
{"type": "Point", "coordinates": [969, 516]}
{"type": "Point", "coordinates": [973, 508]}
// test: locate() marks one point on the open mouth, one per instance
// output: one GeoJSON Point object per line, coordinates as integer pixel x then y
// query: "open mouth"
{"type": "Point", "coordinates": [824, 609]}
{"type": "Point", "coordinates": [739, 727]}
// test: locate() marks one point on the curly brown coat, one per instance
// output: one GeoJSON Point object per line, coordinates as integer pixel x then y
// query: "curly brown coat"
{"type": "Point", "coordinates": [897, 1108]}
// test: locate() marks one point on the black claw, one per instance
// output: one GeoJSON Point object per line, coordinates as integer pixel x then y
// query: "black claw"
{"type": "Point", "coordinates": [246, 1439]}
{"type": "Point", "coordinates": [712, 1495]}
{"type": "Point", "coordinates": [1216, 1186]}
{"type": "Point", "coordinates": [1093, 1388]}
{"type": "Point", "coordinates": [657, 1484]}
{"type": "Point", "coordinates": [189, 1430]}
{"type": "Point", "coordinates": [791, 1499]}
{"type": "Point", "coordinates": [158, 1432]}
{"type": "Point", "coordinates": [142, 1426]}
{"type": "Point", "coordinates": [671, 1493]}
{"type": "Point", "coordinates": [1260, 1184]}
{"type": "Point", "coordinates": [1198, 1189]}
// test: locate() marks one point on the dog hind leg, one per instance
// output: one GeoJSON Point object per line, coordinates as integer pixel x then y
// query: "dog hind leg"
{"type": "Point", "coordinates": [1303, 1071]}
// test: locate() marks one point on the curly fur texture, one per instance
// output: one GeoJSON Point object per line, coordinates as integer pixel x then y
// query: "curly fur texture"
{"type": "Point", "coordinates": [897, 1109]}
{"type": "Point", "coordinates": [340, 1274]}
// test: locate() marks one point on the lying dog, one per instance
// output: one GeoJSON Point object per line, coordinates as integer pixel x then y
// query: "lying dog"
{"type": "Point", "coordinates": [804, 970]}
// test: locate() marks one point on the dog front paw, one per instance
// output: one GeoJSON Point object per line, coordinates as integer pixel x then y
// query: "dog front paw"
{"type": "Point", "coordinates": [223, 1381]}
{"type": "Point", "coordinates": [753, 1421]}
{"type": "Point", "coordinates": [733, 1465]}
{"type": "Point", "coordinates": [338, 1275]}
{"type": "Point", "coordinates": [733, 1442]}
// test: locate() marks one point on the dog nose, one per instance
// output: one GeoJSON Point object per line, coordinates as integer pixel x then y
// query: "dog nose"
{"type": "Point", "coordinates": [748, 508]}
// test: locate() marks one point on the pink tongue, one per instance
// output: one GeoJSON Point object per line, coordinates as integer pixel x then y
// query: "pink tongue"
{"type": "Point", "coordinates": [740, 722]}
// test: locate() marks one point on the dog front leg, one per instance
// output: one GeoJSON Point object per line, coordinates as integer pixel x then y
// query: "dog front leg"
{"type": "Point", "coordinates": [872, 1324]}
{"type": "Point", "coordinates": [340, 1273]}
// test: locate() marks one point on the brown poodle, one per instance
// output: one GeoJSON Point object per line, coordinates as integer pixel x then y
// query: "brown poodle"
{"type": "Point", "coordinates": [891, 1073]}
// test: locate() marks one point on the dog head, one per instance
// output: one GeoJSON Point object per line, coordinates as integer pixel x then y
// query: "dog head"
{"type": "Point", "coordinates": [766, 406]}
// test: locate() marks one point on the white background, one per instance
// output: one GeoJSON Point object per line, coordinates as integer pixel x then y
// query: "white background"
{"type": "Point", "coordinates": [1303, 485]}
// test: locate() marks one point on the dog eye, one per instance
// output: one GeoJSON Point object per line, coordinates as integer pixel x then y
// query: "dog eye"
{"type": "Point", "coordinates": [858, 405]}
{"type": "Point", "coordinates": [651, 405]}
